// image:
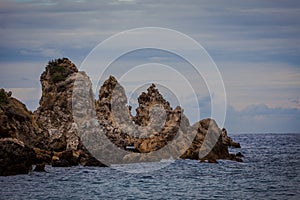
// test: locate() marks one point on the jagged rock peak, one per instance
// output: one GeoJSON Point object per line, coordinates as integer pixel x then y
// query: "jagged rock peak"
{"type": "Point", "coordinates": [111, 107]}
{"type": "Point", "coordinates": [146, 100]}
{"type": "Point", "coordinates": [153, 96]}
{"type": "Point", "coordinates": [57, 84]}
{"type": "Point", "coordinates": [16, 121]}
{"type": "Point", "coordinates": [57, 70]}
{"type": "Point", "coordinates": [54, 114]}
{"type": "Point", "coordinates": [107, 88]}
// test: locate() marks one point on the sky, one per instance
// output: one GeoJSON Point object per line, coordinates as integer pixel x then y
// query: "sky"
{"type": "Point", "coordinates": [255, 45]}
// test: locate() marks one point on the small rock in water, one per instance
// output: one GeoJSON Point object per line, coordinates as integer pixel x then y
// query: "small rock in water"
{"type": "Point", "coordinates": [40, 168]}
{"type": "Point", "coordinates": [239, 154]}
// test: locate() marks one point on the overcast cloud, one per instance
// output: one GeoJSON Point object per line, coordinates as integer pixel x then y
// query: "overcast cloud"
{"type": "Point", "coordinates": [255, 44]}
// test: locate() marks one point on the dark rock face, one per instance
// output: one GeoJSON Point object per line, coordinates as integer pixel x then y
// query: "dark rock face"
{"type": "Point", "coordinates": [19, 133]}
{"type": "Point", "coordinates": [15, 157]}
{"type": "Point", "coordinates": [40, 168]}
{"type": "Point", "coordinates": [17, 122]}
{"type": "Point", "coordinates": [219, 150]}
{"type": "Point", "coordinates": [67, 159]}
{"type": "Point", "coordinates": [228, 141]}
{"type": "Point", "coordinates": [91, 161]}
{"type": "Point", "coordinates": [42, 156]}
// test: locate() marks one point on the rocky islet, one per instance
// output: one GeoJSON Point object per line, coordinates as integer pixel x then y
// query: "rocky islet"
{"type": "Point", "coordinates": [50, 134]}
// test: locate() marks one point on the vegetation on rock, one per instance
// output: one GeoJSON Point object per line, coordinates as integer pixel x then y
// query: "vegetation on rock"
{"type": "Point", "coordinates": [59, 69]}
{"type": "Point", "coordinates": [3, 97]}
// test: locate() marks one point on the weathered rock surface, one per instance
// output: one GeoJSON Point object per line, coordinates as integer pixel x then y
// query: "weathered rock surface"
{"type": "Point", "coordinates": [17, 122]}
{"type": "Point", "coordinates": [112, 95]}
{"type": "Point", "coordinates": [55, 117]}
{"type": "Point", "coordinates": [157, 124]}
{"type": "Point", "coordinates": [19, 133]}
{"type": "Point", "coordinates": [228, 141]}
{"type": "Point", "coordinates": [15, 157]}
{"type": "Point", "coordinates": [214, 148]}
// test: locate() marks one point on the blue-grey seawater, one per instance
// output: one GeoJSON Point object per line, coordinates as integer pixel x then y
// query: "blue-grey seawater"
{"type": "Point", "coordinates": [270, 170]}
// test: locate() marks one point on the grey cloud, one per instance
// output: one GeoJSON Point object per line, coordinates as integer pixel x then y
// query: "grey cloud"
{"type": "Point", "coordinates": [223, 29]}
{"type": "Point", "coordinates": [262, 119]}
{"type": "Point", "coordinates": [242, 32]}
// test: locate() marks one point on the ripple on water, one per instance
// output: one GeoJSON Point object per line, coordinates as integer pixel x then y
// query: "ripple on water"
{"type": "Point", "coordinates": [270, 171]}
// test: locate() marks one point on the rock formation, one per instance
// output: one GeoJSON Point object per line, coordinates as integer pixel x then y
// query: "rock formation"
{"type": "Point", "coordinates": [55, 117]}
{"type": "Point", "coordinates": [51, 135]}
{"type": "Point", "coordinates": [157, 124]}
{"type": "Point", "coordinates": [219, 150]}
{"type": "Point", "coordinates": [111, 95]}
{"type": "Point", "coordinates": [18, 133]}
{"type": "Point", "coordinates": [17, 122]}
{"type": "Point", "coordinates": [15, 157]}
{"type": "Point", "coordinates": [228, 141]}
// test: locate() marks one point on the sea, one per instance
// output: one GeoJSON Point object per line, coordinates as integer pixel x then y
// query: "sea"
{"type": "Point", "coordinates": [270, 170]}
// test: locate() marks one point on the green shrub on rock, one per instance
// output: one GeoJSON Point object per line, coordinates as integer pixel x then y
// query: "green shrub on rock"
{"type": "Point", "coordinates": [57, 72]}
{"type": "Point", "coordinates": [3, 97]}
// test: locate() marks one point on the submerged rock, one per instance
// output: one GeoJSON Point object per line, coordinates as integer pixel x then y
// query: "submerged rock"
{"type": "Point", "coordinates": [40, 168]}
{"type": "Point", "coordinates": [239, 154]}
